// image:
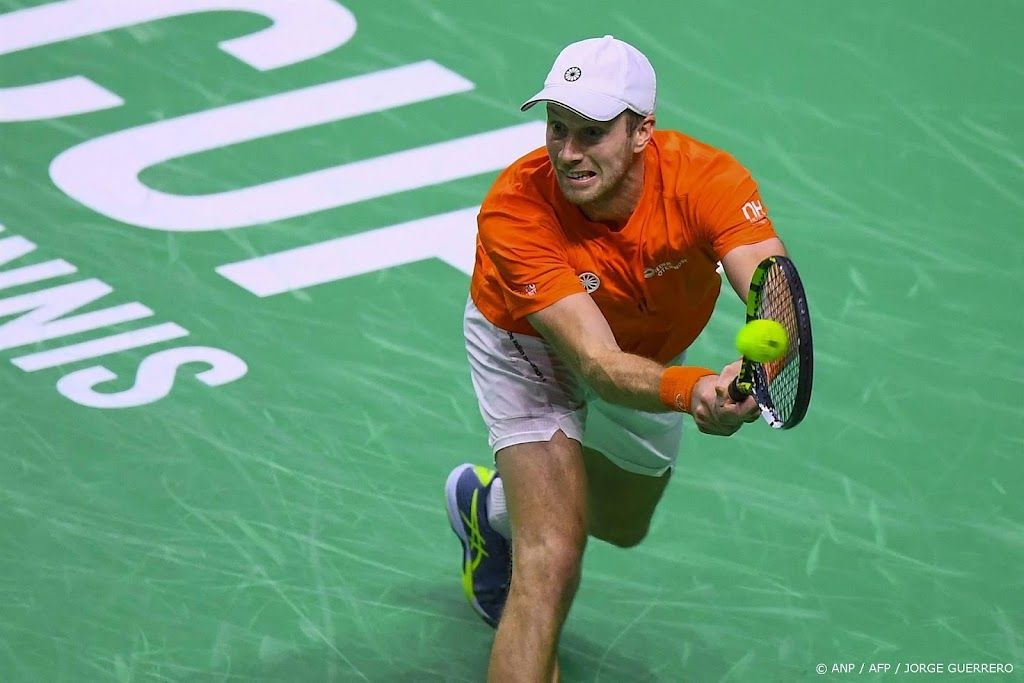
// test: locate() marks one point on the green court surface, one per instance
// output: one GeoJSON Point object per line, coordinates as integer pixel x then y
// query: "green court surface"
{"type": "Point", "coordinates": [232, 380]}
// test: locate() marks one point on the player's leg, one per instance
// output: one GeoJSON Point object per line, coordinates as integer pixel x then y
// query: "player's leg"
{"type": "Point", "coordinates": [620, 503]}
{"type": "Point", "coordinates": [526, 396]}
{"type": "Point", "coordinates": [629, 455]}
{"type": "Point", "coordinates": [546, 492]}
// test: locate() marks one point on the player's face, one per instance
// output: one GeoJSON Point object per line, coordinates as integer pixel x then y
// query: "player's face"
{"type": "Point", "coordinates": [590, 158]}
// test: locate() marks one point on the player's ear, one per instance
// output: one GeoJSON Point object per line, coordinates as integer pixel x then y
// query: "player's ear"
{"type": "Point", "coordinates": [642, 134]}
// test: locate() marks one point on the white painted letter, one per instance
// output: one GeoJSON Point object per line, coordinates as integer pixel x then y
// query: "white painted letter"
{"type": "Point", "coordinates": [448, 237]}
{"type": "Point", "coordinates": [14, 247]}
{"type": "Point", "coordinates": [301, 30]}
{"type": "Point", "coordinates": [46, 305]}
{"type": "Point", "coordinates": [103, 346]}
{"type": "Point", "coordinates": [154, 379]}
{"type": "Point", "coordinates": [35, 272]}
{"type": "Point", "coordinates": [117, 193]}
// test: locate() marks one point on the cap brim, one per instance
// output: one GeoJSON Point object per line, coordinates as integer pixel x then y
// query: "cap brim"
{"type": "Point", "coordinates": [588, 104]}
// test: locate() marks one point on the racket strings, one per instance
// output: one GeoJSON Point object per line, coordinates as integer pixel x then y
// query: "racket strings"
{"type": "Point", "coordinates": [781, 378]}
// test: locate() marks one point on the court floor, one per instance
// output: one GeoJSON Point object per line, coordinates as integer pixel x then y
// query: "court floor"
{"type": "Point", "coordinates": [235, 252]}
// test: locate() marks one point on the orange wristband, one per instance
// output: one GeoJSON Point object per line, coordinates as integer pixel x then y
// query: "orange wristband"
{"type": "Point", "coordinates": [677, 384]}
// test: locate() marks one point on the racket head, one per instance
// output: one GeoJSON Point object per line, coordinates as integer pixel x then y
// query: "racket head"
{"type": "Point", "coordinates": [782, 388]}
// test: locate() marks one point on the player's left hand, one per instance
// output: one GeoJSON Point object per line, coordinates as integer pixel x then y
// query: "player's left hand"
{"type": "Point", "coordinates": [747, 410]}
{"type": "Point", "coordinates": [714, 411]}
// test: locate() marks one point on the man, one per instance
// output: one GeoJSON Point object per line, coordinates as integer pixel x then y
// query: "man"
{"type": "Point", "coordinates": [595, 270]}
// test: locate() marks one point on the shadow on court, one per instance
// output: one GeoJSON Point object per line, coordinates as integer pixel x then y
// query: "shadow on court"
{"type": "Point", "coordinates": [448, 643]}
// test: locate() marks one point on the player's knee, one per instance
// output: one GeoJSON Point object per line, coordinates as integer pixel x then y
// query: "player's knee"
{"type": "Point", "coordinates": [549, 566]}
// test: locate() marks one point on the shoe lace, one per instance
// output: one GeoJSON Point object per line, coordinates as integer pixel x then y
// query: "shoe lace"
{"type": "Point", "coordinates": [476, 539]}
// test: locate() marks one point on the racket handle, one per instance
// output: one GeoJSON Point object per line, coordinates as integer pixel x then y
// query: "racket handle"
{"type": "Point", "coordinates": [735, 393]}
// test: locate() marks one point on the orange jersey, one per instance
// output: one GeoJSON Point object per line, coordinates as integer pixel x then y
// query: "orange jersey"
{"type": "Point", "coordinates": [654, 280]}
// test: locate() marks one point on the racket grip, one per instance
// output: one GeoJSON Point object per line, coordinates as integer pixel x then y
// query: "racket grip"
{"type": "Point", "coordinates": [735, 393]}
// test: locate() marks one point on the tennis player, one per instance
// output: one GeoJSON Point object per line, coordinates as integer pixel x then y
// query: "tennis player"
{"type": "Point", "coordinates": [595, 269]}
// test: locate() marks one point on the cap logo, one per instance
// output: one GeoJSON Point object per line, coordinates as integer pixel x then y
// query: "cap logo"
{"type": "Point", "coordinates": [573, 73]}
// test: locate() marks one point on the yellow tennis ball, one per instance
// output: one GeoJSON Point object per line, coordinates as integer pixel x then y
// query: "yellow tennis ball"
{"type": "Point", "coordinates": [762, 341]}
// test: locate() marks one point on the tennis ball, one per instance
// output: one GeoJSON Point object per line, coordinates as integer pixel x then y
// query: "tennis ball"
{"type": "Point", "coordinates": [762, 341]}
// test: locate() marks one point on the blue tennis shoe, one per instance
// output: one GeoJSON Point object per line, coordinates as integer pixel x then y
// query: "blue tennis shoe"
{"type": "Point", "coordinates": [486, 555]}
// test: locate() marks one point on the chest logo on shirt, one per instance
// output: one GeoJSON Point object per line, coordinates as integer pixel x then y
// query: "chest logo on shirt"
{"type": "Point", "coordinates": [590, 282]}
{"type": "Point", "coordinates": [662, 268]}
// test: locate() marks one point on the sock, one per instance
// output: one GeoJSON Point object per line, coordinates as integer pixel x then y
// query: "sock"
{"type": "Point", "coordinates": [497, 511]}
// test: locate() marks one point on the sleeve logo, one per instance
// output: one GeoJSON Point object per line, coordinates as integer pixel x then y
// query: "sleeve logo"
{"type": "Point", "coordinates": [754, 211]}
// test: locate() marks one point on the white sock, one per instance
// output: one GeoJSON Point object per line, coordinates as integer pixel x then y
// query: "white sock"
{"type": "Point", "coordinates": [497, 511]}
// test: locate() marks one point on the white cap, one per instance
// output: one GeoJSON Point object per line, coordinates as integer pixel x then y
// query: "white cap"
{"type": "Point", "coordinates": [599, 78]}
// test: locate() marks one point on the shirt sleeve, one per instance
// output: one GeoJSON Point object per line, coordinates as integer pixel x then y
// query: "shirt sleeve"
{"type": "Point", "coordinates": [520, 236]}
{"type": "Point", "coordinates": [728, 207]}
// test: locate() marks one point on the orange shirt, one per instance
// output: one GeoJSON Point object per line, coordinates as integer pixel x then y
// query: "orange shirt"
{"type": "Point", "coordinates": [654, 280]}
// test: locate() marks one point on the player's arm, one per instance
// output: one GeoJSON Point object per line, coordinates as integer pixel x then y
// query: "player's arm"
{"type": "Point", "coordinates": [581, 336]}
{"type": "Point", "coordinates": [578, 331]}
{"type": "Point", "coordinates": [739, 263]}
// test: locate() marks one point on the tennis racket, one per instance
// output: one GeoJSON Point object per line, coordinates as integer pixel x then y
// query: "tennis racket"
{"type": "Point", "coordinates": [782, 388]}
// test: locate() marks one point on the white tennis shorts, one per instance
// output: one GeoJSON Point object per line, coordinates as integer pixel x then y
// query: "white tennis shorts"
{"type": "Point", "coordinates": [527, 393]}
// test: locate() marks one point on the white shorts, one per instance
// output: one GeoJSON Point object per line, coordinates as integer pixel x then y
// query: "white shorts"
{"type": "Point", "coordinates": [527, 393]}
